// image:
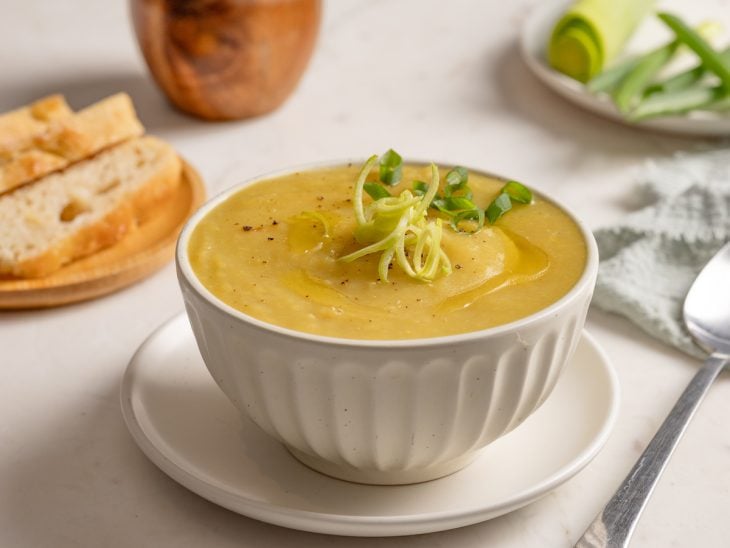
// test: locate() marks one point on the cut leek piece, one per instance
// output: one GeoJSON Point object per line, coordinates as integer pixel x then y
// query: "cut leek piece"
{"type": "Point", "coordinates": [678, 102]}
{"type": "Point", "coordinates": [686, 79]}
{"type": "Point", "coordinates": [591, 33]}
{"type": "Point", "coordinates": [629, 91]}
{"type": "Point", "coordinates": [609, 80]}
{"type": "Point", "coordinates": [606, 81]}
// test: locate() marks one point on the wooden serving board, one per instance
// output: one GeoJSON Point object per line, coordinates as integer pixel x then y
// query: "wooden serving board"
{"type": "Point", "coordinates": [139, 254]}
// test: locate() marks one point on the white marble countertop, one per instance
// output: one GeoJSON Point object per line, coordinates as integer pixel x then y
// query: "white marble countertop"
{"type": "Point", "coordinates": [431, 79]}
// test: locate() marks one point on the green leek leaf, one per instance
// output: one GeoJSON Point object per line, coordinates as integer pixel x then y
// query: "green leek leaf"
{"type": "Point", "coordinates": [710, 58]}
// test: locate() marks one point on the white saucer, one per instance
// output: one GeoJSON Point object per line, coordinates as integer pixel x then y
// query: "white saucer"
{"type": "Point", "coordinates": [534, 38]}
{"type": "Point", "coordinates": [185, 425]}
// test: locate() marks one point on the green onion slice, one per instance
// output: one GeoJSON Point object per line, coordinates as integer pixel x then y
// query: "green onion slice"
{"type": "Point", "coordinates": [518, 192]}
{"type": "Point", "coordinates": [499, 206]}
{"type": "Point", "coordinates": [469, 215]}
{"type": "Point", "coordinates": [391, 168]}
{"type": "Point", "coordinates": [419, 188]}
{"type": "Point", "coordinates": [376, 191]}
{"type": "Point", "coordinates": [457, 178]}
{"type": "Point", "coordinates": [458, 203]}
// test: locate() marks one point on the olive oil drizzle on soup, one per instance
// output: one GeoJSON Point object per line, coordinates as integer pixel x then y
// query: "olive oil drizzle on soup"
{"type": "Point", "coordinates": [271, 251]}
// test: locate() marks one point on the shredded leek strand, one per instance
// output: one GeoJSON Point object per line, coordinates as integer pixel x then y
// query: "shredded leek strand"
{"type": "Point", "coordinates": [359, 213]}
{"type": "Point", "coordinates": [433, 188]}
{"type": "Point", "coordinates": [398, 227]}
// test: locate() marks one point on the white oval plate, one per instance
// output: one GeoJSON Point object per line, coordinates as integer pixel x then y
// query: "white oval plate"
{"type": "Point", "coordinates": [186, 426]}
{"type": "Point", "coordinates": [534, 38]}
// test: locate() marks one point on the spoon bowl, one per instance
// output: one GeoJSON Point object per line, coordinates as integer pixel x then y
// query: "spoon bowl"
{"type": "Point", "coordinates": [707, 305]}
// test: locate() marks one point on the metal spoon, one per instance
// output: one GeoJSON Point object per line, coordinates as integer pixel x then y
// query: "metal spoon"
{"type": "Point", "coordinates": [707, 316]}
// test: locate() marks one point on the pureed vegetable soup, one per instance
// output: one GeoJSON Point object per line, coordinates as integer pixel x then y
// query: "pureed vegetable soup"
{"type": "Point", "coordinates": [275, 251]}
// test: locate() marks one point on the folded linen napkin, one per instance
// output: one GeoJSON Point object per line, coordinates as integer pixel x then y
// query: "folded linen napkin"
{"type": "Point", "coordinates": [650, 258]}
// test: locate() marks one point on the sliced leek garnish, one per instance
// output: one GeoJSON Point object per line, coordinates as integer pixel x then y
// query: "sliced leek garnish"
{"type": "Point", "coordinates": [398, 227]}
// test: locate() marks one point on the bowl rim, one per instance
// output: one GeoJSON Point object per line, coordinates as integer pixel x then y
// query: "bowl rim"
{"type": "Point", "coordinates": [186, 274]}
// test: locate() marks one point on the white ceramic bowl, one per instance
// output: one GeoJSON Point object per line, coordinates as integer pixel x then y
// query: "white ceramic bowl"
{"type": "Point", "coordinates": [384, 411]}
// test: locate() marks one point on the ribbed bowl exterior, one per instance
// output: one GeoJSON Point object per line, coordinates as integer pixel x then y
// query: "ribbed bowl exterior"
{"type": "Point", "coordinates": [379, 413]}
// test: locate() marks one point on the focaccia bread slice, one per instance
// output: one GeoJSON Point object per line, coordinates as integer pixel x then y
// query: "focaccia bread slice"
{"type": "Point", "coordinates": [87, 207]}
{"type": "Point", "coordinates": [18, 127]}
{"type": "Point", "coordinates": [64, 139]}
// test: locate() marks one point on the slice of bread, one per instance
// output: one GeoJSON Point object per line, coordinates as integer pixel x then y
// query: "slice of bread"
{"type": "Point", "coordinates": [58, 141]}
{"type": "Point", "coordinates": [87, 207]}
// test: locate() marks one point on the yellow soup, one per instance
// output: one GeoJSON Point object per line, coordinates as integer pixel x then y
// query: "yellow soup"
{"type": "Point", "coordinates": [271, 251]}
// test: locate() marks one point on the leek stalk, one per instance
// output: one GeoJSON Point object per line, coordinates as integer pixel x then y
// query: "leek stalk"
{"type": "Point", "coordinates": [591, 33]}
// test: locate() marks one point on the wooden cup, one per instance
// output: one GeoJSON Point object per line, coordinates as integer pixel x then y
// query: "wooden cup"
{"type": "Point", "coordinates": [226, 59]}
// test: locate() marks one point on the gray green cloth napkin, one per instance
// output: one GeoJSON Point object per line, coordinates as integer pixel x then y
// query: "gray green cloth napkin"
{"type": "Point", "coordinates": [650, 258]}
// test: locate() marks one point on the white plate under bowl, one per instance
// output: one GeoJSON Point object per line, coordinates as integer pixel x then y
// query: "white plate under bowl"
{"type": "Point", "coordinates": [533, 42]}
{"type": "Point", "coordinates": [186, 426]}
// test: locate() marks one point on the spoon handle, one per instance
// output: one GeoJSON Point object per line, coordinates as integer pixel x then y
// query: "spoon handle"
{"type": "Point", "coordinates": [615, 524]}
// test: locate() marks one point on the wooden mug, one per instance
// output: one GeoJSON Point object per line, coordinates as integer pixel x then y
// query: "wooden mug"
{"type": "Point", "coordinates": [226, 59]}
